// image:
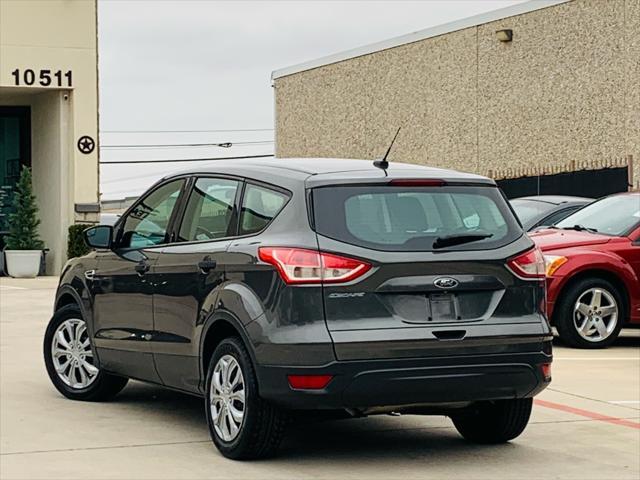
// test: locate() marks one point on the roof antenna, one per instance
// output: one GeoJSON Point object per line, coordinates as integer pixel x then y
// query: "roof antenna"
{"type": "Point", "coordinates": [383, 164]}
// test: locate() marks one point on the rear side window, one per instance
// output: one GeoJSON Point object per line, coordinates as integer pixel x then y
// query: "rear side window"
{"type": "Point", "coordinates": [529, 210]}
{"type": "Point", "coordinates": [209, 210]}
{"type": "Point", "coordinates": [259, 206]}
{"type": "Point", "coordinates": [399, 218]}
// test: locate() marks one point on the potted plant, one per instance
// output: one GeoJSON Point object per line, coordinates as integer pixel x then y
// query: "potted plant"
{"type": "Point", "coordinates": [23, 245]}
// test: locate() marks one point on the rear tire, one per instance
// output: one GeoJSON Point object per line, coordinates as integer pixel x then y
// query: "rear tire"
{"type": "Point", "coordinates": [242, 425]}
{"type": "Point", "coordinates": [67, 331]}
{"type": "Point", "coordinates": [494, 422]}
{"type": "Point", "coordinates": [578, 330]}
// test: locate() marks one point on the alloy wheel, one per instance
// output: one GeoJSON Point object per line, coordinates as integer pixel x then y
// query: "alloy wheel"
{"type": "Point", "coordinates": [227, 398]}
{"type": "Point", "coordinates": [595, 314]}
{"type": "Point", "coordinates": [72, 356]}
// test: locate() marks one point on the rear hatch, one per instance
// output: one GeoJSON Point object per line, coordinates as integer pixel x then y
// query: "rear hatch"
{"type": "Point", "coordinates": [449, 271]}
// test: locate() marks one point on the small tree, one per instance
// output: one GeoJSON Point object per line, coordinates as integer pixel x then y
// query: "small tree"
{"type": "Point", "coordinates": [75, 243]}
{"type": "Point", "coordinates": [23, 223]}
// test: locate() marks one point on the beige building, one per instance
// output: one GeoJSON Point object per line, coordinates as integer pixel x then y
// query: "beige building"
{"type": "Point", "coordinates": [49, 112]}
{"type": "Point", "coordinates": [548, 85]}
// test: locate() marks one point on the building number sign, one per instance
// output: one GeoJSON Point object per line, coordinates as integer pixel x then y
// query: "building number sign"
{"type": "Point", "coordinates": [45, 78]}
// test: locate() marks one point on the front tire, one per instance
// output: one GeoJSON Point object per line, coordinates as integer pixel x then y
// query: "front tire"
{"type": "Point", "coordinates": [494, 422]}
{"type": "Point", "coordinates": [70, 361]}
{"type": "Point", "coordinates": [242, 425]}
{"type": "Point", "coordinates": [589, 314]}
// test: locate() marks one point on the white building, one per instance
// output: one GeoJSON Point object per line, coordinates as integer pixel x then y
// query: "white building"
{"type": "Point", "coordinates": [49, 113]}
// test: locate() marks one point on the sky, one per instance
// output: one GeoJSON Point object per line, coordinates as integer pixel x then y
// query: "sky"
{"type": "Point", "coordinates": [175, 72]}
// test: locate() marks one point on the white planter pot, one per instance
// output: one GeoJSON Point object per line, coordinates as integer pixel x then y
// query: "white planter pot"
{"type": "Point", "coordinates": [22, 263]}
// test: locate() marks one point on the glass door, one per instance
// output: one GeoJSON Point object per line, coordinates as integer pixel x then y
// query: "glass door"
{"type": "Point", "coordinates": [15, 151]}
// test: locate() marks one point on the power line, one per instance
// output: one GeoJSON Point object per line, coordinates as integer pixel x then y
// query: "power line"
{"type": "Point", "coordinates": [179, 160]}
{"type": "Point", "coordinates": [184, 145]}
{"type": "Point", "coordinates": [157, 174]}
{"type": "Point", "coordinates": [191, 131]}
{"type": "Point", "coordinates": [128, 193]}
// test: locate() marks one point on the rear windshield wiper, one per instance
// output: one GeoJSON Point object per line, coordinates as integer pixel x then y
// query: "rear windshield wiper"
{"type": "Point", "coordinates": [581, 228]}
{"type": "Point", "coordinates": [459, 239]}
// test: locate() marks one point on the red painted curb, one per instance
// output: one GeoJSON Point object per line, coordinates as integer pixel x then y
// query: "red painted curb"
{"type": "Point", "coordinates": [587, 414]}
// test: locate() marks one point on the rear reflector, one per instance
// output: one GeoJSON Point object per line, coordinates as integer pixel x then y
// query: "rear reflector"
{"type": "Point", "coordinates": [545, 368]}
{"type": "Point", "coordinates": [309, 382]}
{"type": "Point", "coordinates": [529, 265]}
{"type": "Point", "coordinates": [417, 182]}
{"type": "Point", "coordinates": [303, 266]}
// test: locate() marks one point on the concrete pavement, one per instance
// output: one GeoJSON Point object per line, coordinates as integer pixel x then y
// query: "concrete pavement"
{"type": "Point", "coordinates": [586, 426]}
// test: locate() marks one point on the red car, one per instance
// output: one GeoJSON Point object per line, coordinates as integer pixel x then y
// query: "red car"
{"type": "Point", "coordinates": [592, 262]}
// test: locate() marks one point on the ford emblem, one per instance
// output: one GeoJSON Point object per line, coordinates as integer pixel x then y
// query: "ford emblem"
{"type": "Point", "coordinates": [445, 282]}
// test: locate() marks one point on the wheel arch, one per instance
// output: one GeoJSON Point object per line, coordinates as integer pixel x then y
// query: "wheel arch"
{"type": "Point", "coordinates": [67, 295]}
{"type": "Point", "coordinates": [65, 299]}
{"type": "Point", "coordinates": [603, 274]}
{"type": "Point", "coordinates": [221, 325]}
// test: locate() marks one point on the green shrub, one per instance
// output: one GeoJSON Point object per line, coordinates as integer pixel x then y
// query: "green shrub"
{"type": "Point", "coordinates": [75, 243]}
{"type": "Point", "coordinates": [24, 222]}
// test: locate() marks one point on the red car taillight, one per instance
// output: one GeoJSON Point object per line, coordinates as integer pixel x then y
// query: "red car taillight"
{"type": "Point", "coordinates": [528, 265]}
{"type": "Point", "coordinates": [309, 382]}
{"type": "Point", "coordinates": [545, 369]}
{"type": "Point", "coordinates": [300, 266]}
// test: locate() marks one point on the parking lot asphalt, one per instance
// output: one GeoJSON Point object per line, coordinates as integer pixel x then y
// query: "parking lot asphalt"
{"type": "Point", "coordinates": [585, 426]}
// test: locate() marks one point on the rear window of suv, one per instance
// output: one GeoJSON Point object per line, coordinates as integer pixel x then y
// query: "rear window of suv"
{"type": "Point", "coordinates": [401, 218]}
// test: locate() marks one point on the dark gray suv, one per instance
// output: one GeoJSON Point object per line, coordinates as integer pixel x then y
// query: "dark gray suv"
{"type": "Point", "coordinates": [311, 284]}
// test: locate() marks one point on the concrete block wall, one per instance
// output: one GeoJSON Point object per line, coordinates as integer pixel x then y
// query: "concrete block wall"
{"type": "Point", "coordinates": [565, 89]}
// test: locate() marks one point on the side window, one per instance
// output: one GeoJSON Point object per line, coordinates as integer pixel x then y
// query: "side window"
{"type": "Point", "coordinates": [147, 223]}
{"type": "Point", "coordinates": [259, 206]}
{"type": "Point", "coordinates": [209, 210]}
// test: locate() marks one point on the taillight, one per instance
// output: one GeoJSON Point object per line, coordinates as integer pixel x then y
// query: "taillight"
{"type": "Point", "coordinates": [545, 369]}
{"type": "Point", "coordinates": [528, 265]}
{"type": "Point", "coordinates": [300, 266]}
{"type": "Point", "coordinates": [309, 382]}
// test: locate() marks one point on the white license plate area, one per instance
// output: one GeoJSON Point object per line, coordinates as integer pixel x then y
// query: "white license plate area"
{"type": "Point", "coordinates": [442, 307]}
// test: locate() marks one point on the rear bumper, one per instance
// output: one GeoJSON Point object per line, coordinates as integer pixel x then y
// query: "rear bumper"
{"type": "Point", "coordinates": [437, 380]}
{"type": "Point", "coordinates": [554, 286]}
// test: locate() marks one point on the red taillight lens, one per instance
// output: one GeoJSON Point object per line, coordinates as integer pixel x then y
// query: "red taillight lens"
{"type": "Point", "coordinates": [295, 265]}
{"type": "Point", "coordinates": [528, 265]}
{"type": "Point", "coordinates": [545, 368]}
{"type": "Point", "coordinates": [337, 269]}
{"type": "Point", "coordinates": [417, 182]}
{"type": "Point", "coordinates": [309, 382]}
{"type": "Point", "coordinates": [300, 266]}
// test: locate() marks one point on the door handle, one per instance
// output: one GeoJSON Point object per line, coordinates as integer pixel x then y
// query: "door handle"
{"type": "Point", "coordinates": [450, 334]}
{"type": "Point", "coordinates": [142, 268]}
{"type": "Point", "coordinates": [206, 265]}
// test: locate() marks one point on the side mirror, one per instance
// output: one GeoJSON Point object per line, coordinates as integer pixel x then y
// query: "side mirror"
{"type": "Point", "coordinates": [99, 236]}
